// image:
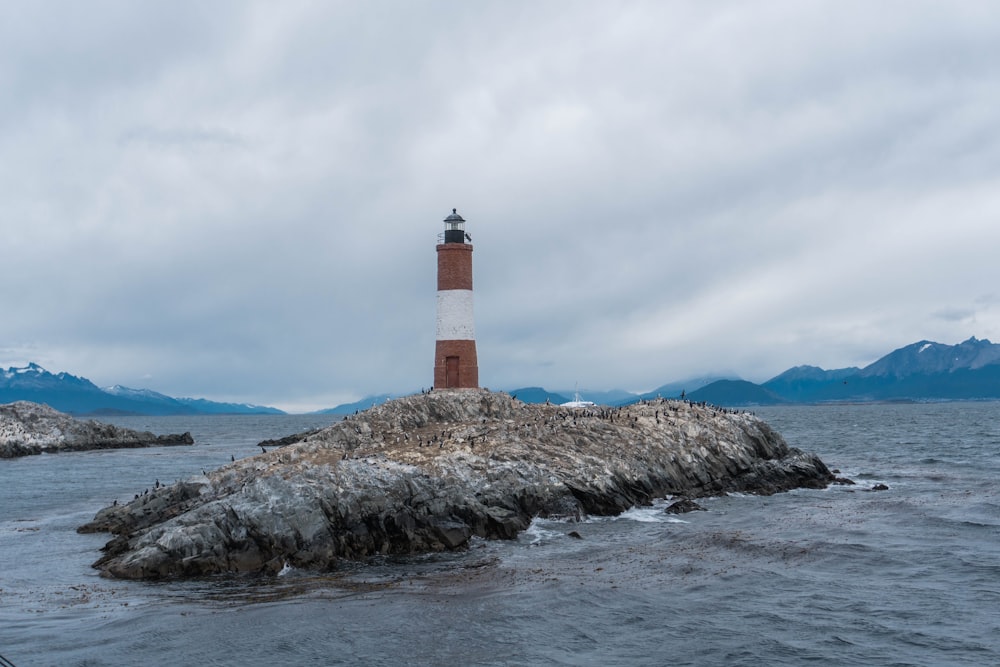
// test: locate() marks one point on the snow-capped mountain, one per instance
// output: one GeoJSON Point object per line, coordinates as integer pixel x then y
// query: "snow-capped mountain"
{"type": "Point", "coordinates": [924, 370]}
{"type": "Point", "coordinates": [76, 395]}
{"type": "Point", "coordinates": [929, 357]}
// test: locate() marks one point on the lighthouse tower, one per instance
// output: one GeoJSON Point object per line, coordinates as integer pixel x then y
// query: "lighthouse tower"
{"type": "Point", "coordinates": [455, 363]}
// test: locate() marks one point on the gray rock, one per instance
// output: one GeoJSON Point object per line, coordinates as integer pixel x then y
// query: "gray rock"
{"type": "Point", "coordinates": [32, 428]}
{"type": "Point", "coordinates": [428, 472]}
{"type": "Point", "coordinates": [683, 506]}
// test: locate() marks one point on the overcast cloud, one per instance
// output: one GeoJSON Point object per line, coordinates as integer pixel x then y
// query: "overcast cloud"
{"type": "Point", "coordinates": [240, 201]}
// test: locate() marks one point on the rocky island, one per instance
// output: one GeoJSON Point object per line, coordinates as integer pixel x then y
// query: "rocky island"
{"type": "Point", "coordinates": [32, 428]}
{"type": "Point", "coordinates": [430, 471]}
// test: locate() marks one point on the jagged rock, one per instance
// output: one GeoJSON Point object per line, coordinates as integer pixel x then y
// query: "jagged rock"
{"type": "Point", "coordinates": [32, 428]}
{"type": "Point", "coordinates": [430, 471]}
{"type": "Point", "coordinates": [683, 506]}
{"type": "Point", "coordinates": [879, 487]}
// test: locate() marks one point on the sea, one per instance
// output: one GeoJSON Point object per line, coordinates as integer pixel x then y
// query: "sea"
{"type": "Point", "coordinates": [848, 575]}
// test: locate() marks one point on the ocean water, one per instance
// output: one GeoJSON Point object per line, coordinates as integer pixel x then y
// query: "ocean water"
{"type": "Point", "coordinates": [843, 576]}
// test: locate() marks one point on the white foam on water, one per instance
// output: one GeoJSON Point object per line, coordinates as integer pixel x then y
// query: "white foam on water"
{"type": "Point", "coordinates": [650, 514]}
{"type": "Point", "coordinates": [541, 530]}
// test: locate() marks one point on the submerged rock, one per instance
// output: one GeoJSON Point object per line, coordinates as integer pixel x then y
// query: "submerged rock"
{"type": "Point", "coordinates": [428, 472]}
{"type": "Point", "coordinates": [683, 506]}
{"type": "Point", "coordinates": [32, 428]}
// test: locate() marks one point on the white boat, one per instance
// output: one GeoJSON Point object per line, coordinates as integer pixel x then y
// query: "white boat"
{"type": "Point", "coordinates": [577, 402]}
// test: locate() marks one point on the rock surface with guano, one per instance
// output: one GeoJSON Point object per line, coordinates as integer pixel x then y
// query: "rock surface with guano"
{"type": "Point", "coordinates": [430, 471]}
{"type": "Point", "coordinates": [33, 428]}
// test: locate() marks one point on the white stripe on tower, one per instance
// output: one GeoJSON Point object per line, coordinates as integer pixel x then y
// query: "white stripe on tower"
{"type": "Point", "coordinates": [454, 315]}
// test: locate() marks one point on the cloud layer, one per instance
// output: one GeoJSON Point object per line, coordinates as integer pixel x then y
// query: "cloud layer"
{"type": "Point", "coordinates": [241, 200]}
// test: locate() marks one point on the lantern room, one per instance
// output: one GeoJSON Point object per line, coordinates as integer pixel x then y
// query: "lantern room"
{"type": "Point", "coordinates": [454, 228]}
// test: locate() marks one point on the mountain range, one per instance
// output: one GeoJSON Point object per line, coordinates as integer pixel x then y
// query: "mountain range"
{"type": "Point", "coordinates": [922, 371]}
{"type": "Point", "coordinates": [76, 395]}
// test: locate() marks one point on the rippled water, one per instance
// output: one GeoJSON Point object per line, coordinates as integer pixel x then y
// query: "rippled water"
{"type": "Point", "coordinates": [847, 576]}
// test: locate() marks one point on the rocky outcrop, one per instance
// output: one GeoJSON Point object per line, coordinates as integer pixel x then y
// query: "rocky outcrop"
{"type": "Point", "coordinates": [428, 472]}
{"type": "Point", "coordinates": [33, 428]}
{"type": "Point", "coordinates": [683, 506]}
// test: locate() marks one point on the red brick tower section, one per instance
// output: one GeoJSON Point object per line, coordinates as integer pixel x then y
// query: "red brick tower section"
{"type": "Point", "coordinates": [455, 362]}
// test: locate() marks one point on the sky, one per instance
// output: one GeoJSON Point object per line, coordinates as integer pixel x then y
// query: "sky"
{"type": "Point", "coordinates": [241, 200]}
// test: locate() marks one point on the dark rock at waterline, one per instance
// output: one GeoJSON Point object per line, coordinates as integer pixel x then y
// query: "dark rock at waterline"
{"type": "Point", "coordinates": [843, 481]}
{"type": "Point", "coordinates": [33, 428]}
{"type": "Point", "coordinates": [880, 487]}
{"type": "Point", "coordinates": [428, 472]}
{"type": "Point", "coordinates": [287, 440]}
{"type": "Point", "coordinates": [575, 535]}
{"type": "Point", "coordinates": [683, 506]}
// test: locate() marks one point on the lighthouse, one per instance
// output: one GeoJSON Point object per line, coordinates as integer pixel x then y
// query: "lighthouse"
{"type": "Point", "coordinates": [455, 363]}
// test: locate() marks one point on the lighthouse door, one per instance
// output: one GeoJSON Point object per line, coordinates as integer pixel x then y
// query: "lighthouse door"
{"type": "Point", "coordinates": [451, 371]}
